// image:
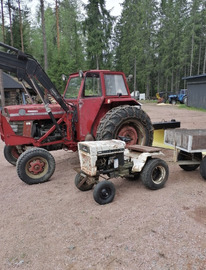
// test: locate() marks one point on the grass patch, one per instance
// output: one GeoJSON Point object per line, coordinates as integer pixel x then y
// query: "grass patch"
{"type": "Point", "coordinates": [183, 106]}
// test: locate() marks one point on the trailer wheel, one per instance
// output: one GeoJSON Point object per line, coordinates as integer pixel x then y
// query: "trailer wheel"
{"type": "Point", "coordinates": [85, 186]}
{"type": "Point", "coordinates": [155, 173]}
{"type": "Point", "coordinates": [104, 192]}
{"type": "Point", "coordinates": [126, 121]}
{"type": "Point", "coordinates": [11, 154]}
{"type": "Point", "coordinates": [203, 168]}
{"type": "Point", "coordinates": [182, 155]}
{"type": "Point", "coordinates": [35, 166]}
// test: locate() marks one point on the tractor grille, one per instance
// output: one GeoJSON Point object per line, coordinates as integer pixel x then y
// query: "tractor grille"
{"type": "Point", "coordinates": [17, 127]}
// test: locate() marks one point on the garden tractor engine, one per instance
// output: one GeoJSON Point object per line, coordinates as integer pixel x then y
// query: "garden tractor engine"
{"type": "Point", "coordinates": [110, 159]}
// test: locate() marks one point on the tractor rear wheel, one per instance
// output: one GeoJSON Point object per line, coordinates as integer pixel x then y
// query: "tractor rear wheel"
{"type": "Point", "coordinates": [155, 173]}
{"type": "Point", "coordinates": [126, 121]}
{"type": "Point", "coordinates": [11, 154]}
{"type": "Point", "coordinates": [36, 165]}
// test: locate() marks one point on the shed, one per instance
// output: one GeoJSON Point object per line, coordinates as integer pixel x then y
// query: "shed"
{"type": "Point", "coordinates": [12, 90]}
{"type": "Point", "coordinates": [196, 86]}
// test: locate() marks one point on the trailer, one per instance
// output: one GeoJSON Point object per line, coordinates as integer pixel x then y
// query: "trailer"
{"type": "Point", "coordinates": [189, 147]}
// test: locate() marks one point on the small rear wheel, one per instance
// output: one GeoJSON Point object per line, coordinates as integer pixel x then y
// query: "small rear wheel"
{"type": "Point", "coordinates": [189, 156]}
{"type": "Point", "coordinates": [155, 173]}
{"type": "Point", "coordinates": [35, 166]}
{"type": "Point", "coordinates": [84, 186]}
{"type": "Point", "coordinates": [104, 192]}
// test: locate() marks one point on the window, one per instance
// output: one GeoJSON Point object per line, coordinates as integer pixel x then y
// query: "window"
{"type": "Point", "coordinates": [92, 87]}
{"type": "Point", "coordinates": [73, 87]}
{"type": "Point", "coordinates": [115, 85]}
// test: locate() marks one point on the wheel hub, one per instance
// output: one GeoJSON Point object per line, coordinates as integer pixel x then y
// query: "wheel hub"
{"type": "Point", "coordinates": [129, 132]}
{"type": "Point", "coordinates": [36, 166]}
{"type": "Point", "coordinates": [104, 193]}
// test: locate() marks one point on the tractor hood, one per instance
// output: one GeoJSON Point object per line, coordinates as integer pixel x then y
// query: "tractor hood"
{"type": "Point", "coordinates": [31, 112]}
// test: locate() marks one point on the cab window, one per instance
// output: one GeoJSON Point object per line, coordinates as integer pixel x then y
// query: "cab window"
{"type": "Point", "coordinates": [115, 85]}
{"type": "Point", "coordinates": [73, 87]}
{"type": "Point", "coordinates": [92, 85]}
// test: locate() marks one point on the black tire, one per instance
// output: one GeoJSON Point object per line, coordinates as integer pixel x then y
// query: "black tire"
{"type": "Point", "coordinates": [155, 173]}
{"type": "Point", "coordinates": [182, 155]}
{"type": "Point", "coordinates": [173, 102]}
{"type": "Point", "coordinates": [85, 186]}
{"type": "Point", "coordinates": [126, 121]}
{"type": "Point", "coordinates": [203, 168]}
{"type": "Point", "coordinates": [104, 192]}
{"type": "Point", "coordinates": [185, 100]}
{"type": "Point", "coordinates": [11, 154]}
{"type": "Point", "coordinates": [35, 166]}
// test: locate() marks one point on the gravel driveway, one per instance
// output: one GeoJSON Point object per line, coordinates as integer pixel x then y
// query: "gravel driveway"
{"type": "Point", "coordinates": [54, 226]}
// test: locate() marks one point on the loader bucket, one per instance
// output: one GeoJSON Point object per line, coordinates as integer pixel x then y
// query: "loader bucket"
{"type": "Point", "coordinates": [159, 128]}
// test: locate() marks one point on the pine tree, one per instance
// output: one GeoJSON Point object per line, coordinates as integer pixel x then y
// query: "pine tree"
{"type": "Point", "coordinates": [98, 30]}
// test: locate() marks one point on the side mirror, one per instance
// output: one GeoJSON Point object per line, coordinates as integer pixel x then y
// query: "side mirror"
{"type": "Point", "coordinates": [129, 78]}
{"type": "Point", "coordinates": [64, 77]}
{"type": "Point", "coordinates": [81, 74]}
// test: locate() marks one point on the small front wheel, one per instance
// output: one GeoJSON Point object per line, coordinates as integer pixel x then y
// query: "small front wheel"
{"type": "Point", "coordinates": [36, 165]}
{"type": "Point", "coordinates": [104, 192]}
{"type": "Point", "coordinates": [81, 182]}
{"type": "Point", "coordinates": [155, 173]}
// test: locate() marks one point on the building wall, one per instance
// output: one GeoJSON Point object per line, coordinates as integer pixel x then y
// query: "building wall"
{"type": "Point", "coordinates": [197, 92]}
{"type": "Point", "coordinates": [12, 97]}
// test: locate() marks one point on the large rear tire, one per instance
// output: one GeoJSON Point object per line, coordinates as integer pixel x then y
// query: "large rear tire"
{"type": "Point", "coordinates": [35, 166]}
{"type": "Point", "coordinates": [126, 121]}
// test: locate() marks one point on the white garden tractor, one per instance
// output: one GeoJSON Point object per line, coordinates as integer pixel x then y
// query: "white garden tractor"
{"type": "Point", "coordinates": [110, 159]}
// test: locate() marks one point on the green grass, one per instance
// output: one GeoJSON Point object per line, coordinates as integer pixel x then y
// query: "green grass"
{"type": "Point", "coordinates": [182, 106]}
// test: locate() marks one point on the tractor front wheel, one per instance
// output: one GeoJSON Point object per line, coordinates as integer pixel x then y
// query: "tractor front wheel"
{"type": "Point", "coordinates": [11, 154]}
{"type": "Point", "coordinates": [126, 121]}
{"type": "Point", "coordinates": [81, 182]}
{"type": "Point", "coordinates": [104, 192]}
{"type": "Point", "coordinates": [35, 166]}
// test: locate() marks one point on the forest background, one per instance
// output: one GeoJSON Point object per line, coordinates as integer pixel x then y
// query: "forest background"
{"type": "Point", "coordinates": [158, 42]}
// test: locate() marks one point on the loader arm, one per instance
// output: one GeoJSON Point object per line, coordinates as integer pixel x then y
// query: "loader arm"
{"type": "Point", "coordinates": [28, 69]}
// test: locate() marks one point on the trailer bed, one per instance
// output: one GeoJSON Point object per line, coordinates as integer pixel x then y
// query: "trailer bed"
{"type": "Point", "coordinates": [188, 140]}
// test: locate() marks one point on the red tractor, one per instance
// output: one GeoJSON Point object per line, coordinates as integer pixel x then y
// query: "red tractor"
{"type": "Point", "coordinates": [96, 105]}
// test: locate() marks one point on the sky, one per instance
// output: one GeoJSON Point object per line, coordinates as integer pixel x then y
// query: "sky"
{"type": "Point", "coordinates": [115, 4]}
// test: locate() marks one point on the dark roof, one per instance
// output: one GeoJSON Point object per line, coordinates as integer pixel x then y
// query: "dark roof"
{"type": "Point", "coordinates": [10, 83]}
{"type": "Point", "coordinates": [194, 77]}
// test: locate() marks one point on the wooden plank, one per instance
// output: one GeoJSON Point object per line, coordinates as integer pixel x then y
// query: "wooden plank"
{"type": "Point", "coordinates": [142, 148]}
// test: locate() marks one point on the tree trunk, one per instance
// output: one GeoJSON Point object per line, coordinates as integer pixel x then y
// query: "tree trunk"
{"type": "Point", "coordinates": [192, 51]}
{"type": "Point", "coordinates": [200, 49]}
{"type": "Point", "coordinates": [135, 76]}
{"type": "Point", "coordinates": [21, 27]}
{"type": "Point", "coordinates": [2, 16]}
{"type": "Point", "coordinates": [44, 34]}
{"type": "Point", "coordinates": [57, 23]}
{"type": "Point", "coordinates": [2, 90]}
{"type": "Point", "coordinates": [10, 22]}
{"type": "Point", "coordinates": [204, 61]}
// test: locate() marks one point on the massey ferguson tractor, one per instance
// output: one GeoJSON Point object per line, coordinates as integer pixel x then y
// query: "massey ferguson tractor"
{"type": "Point", "coordinates": [96, 105]}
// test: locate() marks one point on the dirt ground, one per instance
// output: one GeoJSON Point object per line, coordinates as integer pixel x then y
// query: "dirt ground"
{"type": "Point", "coordinates": [54, 226]}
